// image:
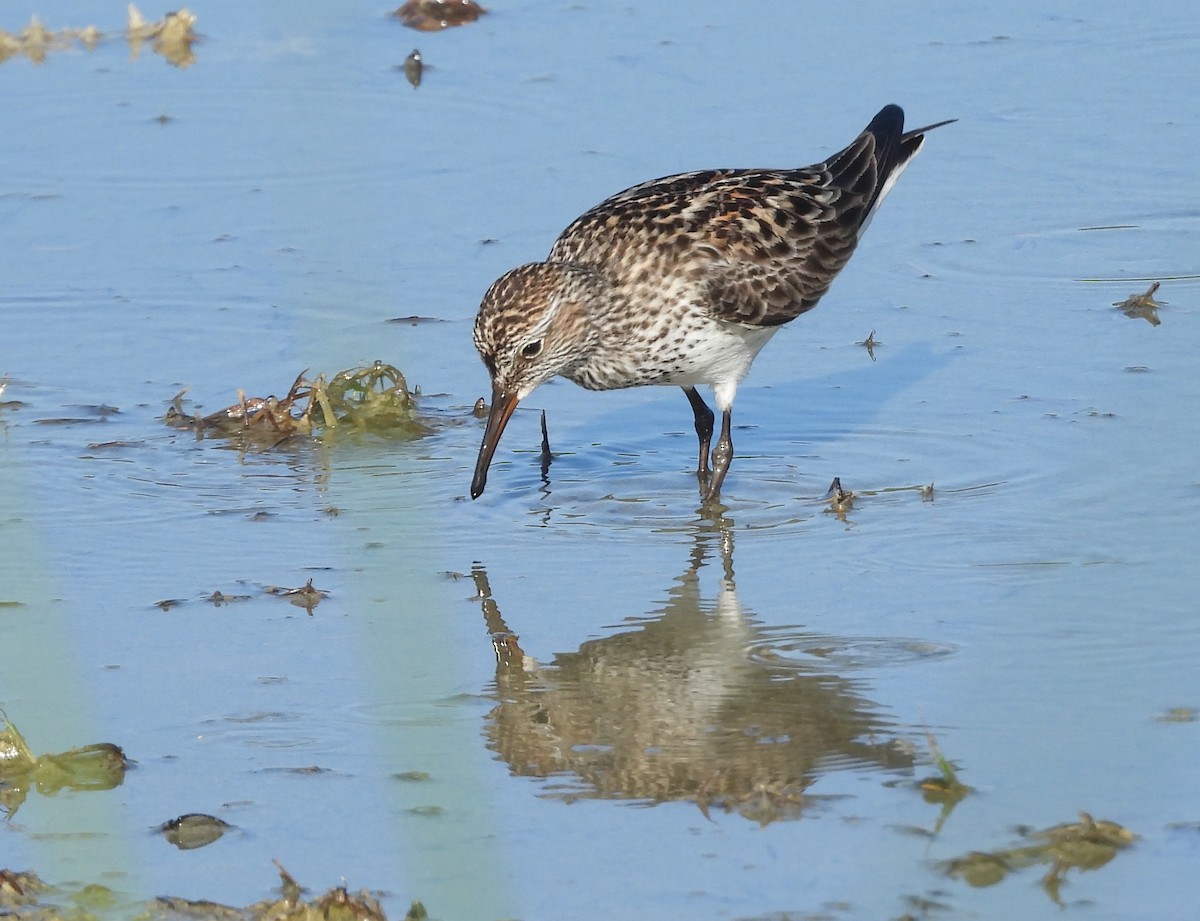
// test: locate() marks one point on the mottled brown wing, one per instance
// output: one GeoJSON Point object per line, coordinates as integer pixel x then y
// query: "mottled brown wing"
{"type": "Point", "coordinates": [776, 248]}
{"type": "Point", "coordinates": [764, 244]}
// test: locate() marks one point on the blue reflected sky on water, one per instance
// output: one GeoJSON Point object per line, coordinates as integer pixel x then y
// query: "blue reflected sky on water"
{"type": "Point", "coordinates": [301, 193]}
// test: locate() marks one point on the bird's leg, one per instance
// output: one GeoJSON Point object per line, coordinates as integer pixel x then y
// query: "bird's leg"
{"type": "Point", "coordinates": [704, 429]}
{"type": "Point", "coordinates": [721, 456]}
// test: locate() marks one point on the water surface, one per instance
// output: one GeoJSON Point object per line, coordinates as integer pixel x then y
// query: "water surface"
{"type": "Point", "coordinates": [273, 206]}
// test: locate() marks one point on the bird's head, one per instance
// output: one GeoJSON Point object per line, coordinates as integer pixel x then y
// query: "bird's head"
{"type": "Point", "coordinates": [533, 325]}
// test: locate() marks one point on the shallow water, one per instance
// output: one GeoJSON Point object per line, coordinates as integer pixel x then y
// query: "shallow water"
{"type": "Point", "coordinates": [1035, 613]}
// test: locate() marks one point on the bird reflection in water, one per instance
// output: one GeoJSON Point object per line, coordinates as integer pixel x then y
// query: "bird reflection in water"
{"type": "Point", "coordinates": [676, 709]}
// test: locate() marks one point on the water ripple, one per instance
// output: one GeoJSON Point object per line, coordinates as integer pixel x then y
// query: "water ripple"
{"type": "Point", "coordinates": [792, 647]}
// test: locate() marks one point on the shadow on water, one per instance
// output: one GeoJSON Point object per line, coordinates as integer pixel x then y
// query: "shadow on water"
{"type": "Point", "coordinates": [680, 710]}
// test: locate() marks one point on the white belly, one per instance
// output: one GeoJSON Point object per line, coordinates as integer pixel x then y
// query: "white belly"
{"type": "Point", "coordinates": [688, 354]}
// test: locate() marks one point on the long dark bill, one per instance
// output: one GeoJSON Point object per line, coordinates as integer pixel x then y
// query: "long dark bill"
{"type": "Point", "coordinates": [503, 405]}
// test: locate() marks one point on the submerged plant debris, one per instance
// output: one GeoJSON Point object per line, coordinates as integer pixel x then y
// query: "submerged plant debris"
{"type": "Point", "coordinates": [435, 15]}
{"type": "Point", "coordinates": [1084, 845]}
{"type": "Point", "coordinates": [100, 766]}
{"type": "Point", "coordinates": [1142, 306]}
{"type": "Point", "coordinates": [372, 398]}
{"type": "Point", "coordinates": [172, 37]}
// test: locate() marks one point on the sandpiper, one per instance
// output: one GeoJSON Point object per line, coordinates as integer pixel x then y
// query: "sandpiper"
{"type": "Point", "coordinates": [682, 280]}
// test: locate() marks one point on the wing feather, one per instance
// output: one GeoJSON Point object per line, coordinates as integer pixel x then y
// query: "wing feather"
{"type": "Point", "coordinates": [760, 247]}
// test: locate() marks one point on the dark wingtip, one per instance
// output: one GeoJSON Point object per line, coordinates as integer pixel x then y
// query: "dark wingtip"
{"type": "Point", "coordinates": [888, 122]}
{"type": "Point", "coordinates": [891, 148]}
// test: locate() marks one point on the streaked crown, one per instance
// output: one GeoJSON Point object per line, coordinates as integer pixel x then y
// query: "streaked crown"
{"type": "Point", "coordinates": [534, 323]}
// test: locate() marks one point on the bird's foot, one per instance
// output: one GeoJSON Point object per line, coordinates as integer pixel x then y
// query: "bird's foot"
{"type": "Point", "coordinates": [722, 454]}
{"type": "Point", "coordinates": [711, 502]}
{"type": "Point", "coordinates": [710, 491]}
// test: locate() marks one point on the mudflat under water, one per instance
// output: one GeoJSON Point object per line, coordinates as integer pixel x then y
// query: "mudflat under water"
{"type": "Point", "coordinates": [699, 716]}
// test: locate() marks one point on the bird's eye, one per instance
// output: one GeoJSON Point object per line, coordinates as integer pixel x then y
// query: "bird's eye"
{"type": "Point", "coordinates": [531, 349]}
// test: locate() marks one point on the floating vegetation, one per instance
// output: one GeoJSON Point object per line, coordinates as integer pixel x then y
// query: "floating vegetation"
{"type": "Point", "coordinates": [193, 830]}
{"type": "Point", "coordinates": [840, 500]}
{"type": "Point", "coordinates": [1179, 715]}
{"type": "Point", "coordinates": [306, 596]}
{"type": "Point", "coordinates": [35, 41]}
{"type": "Point", "coordinates": [218, 599]}
{"type": "Point", "coordinates": [172, 37]}
{"type": "Point", "coordinates": [869, 344]}
{"type": "Point", "coordinates": [412, 776]}
{"type": "Point", "coordinates": [944, 789]}
{"type": "Point", "coordinates": [17, 889]}
{"type": "Point", "coordinates": [335, 905]}
{"type": "Point", "coordinates": [1142, 306]}
{"type": "Point", "coordinates": [435, 15]}
{"type": "Point", "coordinates": [374, 397]}
{"type": "Point", "coordinates": [1084, 845]}
{"type": "Point", "coordinates": [100, 766]}
{"type": "Point", "coordinates": [25, 895]}
{"type": "Point", "coordinates": [415, 319]}
{"type": "Point", "coordinates": [413, 68]}
{"type": "Point", "coordinates": [368, 399]}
